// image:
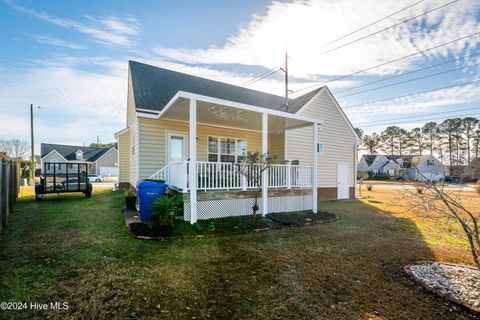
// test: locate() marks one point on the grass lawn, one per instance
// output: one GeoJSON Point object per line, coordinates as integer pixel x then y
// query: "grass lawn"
{"type": "Point", "coordinates": [77, 250]}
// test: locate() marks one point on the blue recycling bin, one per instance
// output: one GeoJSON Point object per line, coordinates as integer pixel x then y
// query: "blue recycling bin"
{"type": "Point", "coordinates": [148, 191]}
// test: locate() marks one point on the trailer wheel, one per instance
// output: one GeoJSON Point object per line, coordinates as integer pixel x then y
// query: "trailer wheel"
{"type": "Point", "coordinates": [88, 194]}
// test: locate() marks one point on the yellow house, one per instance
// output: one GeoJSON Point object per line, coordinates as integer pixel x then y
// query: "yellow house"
{"type": "Point", "coordinates": [193, 132]}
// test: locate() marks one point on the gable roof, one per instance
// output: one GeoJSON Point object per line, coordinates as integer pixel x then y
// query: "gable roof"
{"type": "Point", "coordinates": [369, 158]}
{"type": "Point", "coordinates": [154, 87]}
{"type": "Point", "coordinates": [408, 160]}
{"type": "Point", "coordinates": [68, 151]}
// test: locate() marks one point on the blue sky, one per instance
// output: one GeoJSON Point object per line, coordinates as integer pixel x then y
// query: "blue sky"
{"type": "Point", "coordinates": [70, 57]}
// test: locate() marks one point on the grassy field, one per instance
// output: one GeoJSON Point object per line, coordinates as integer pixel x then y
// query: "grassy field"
{"type": "Point", "coordinates": [77, 250]}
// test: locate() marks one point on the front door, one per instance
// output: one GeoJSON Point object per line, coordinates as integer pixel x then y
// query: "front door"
{"type": "Point", "coordinates": [342, 181]}
{"type": "Point", "coordinates": [176, 146]}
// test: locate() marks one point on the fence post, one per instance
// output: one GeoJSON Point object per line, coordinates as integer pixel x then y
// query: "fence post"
{"type": "Point", "coordinates": [289, 175]}
{"type": "Point", "coordinates": [4, 193]}
{"type": "Point", "coordinates": [2, 197]}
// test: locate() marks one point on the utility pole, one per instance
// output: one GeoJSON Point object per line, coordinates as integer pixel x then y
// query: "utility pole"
{"type": "Point", "coordinates": [98, 139]}
{"type": "Point", "coordinates": [285, 70]}
{"type": "Point", "coordinates": [32, 165]}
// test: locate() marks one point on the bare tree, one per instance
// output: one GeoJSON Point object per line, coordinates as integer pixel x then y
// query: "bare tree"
{"type": "Point", "coordinates": [252, 169]}
{"type": "Point", "coordinates": [435, 200]}
{"type": "Point", "coordinates": [15, 148]}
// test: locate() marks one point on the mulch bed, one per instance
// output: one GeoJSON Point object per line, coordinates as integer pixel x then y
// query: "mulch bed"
{"type": "Point", "coordinates": [222, 226]}
{"type": "Point", "coordinates": [301, 218]}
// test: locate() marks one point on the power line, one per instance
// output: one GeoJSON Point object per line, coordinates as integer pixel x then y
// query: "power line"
{"type": "Point", "coordinates": [409, 72]}
{"type": "Point", "coordinates": [385, 29]}
{"type": "Point", "coordinates": [263, 75]}
{"type": "Point", "coordinates": [427, 119]}
{"type": "Point", "coordinates": [371, 24]}
{"type": "Point", "coordinates": [267, 73]}
{"type": "Point", "coordinates": [410, 94]}
{"type": "Point", "coordinates": [417, 116]}
{"type": "Point", "coordinates": [409, 80]}
{"type": "Point", "coordinates": [388, 62]}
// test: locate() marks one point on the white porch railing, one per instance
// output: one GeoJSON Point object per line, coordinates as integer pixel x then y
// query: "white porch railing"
{"type": "Point", "coordinates": [174, 174]}
{"type": "Point", "coordinates": [227, 176]}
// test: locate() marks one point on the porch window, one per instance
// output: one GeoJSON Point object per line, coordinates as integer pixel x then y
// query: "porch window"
{"type": "Point", "coordinates": [222, 149]}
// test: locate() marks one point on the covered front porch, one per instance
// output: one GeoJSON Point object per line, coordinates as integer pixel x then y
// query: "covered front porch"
{"type": "Point", "coordinates": [196, 177]}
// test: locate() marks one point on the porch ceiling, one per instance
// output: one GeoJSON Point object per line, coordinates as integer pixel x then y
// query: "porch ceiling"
{"type": "Point", "coordinates": [227, 116]}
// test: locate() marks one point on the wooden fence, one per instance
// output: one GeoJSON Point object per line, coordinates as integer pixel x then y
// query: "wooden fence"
{"type": "Point", "coordinates": [9, 187]}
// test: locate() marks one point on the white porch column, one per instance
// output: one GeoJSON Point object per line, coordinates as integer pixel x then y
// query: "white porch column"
{"type": "Point", "coordinates": [265, 173]}
{"type": "Point", "coordinates": [314, 167]}
{"type": "Point", "coordinates": [192, 173]}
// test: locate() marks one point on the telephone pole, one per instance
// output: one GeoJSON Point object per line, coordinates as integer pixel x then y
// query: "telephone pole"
{"type": "Point", "coordinates": [285, 70]}
{"type": "Point", "coordinates": [32, 165]}
{"type": "Point", "coordinates": [98, 140]}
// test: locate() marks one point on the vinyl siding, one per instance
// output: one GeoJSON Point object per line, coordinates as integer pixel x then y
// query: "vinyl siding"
{"type": "Point", "coordinates": [435, 172]}
{"type": "Point", "coordinates": [153, 133]}
{"type": "Point", "coordinates": [109, 159]}
{"type": "Point", "coordinates": [362, 165]}
{"type": "Point", "coordinates": [276, 146]}
{"type": "Point", "coordinates": [52, 157]}
{"type": "Point", "coordinates": [124, 150]}
{"type": "Point", "coordinates": [132, 124]}
{"type": "Point", "coordinates": [337, 136]}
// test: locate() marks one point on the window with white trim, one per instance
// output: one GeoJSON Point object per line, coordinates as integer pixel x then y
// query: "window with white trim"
{"type": "Point", "coordinates": [223, 149]}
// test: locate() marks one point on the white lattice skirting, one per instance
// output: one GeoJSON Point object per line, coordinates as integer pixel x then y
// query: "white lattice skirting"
{"type": "Point", "coordinates": [211, 209]}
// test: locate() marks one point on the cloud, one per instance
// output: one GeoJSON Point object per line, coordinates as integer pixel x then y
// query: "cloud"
{"type": "Point", "coordinates": [412, 105]}
{"type": "Point", "coordinates": [107, 30]}
{"type": "Point", "coordinates": [56, 42]}
{"type": "Point", "coordinates": [305, 26]}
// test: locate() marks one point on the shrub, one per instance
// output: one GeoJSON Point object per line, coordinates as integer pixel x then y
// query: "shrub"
{"type": "Point", "coordinates": [166, 208]}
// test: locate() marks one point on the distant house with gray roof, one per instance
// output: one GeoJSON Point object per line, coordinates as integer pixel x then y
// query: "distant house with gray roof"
{"type": "Point", "coordinates": [102, 161]}
{"type": "Point", "coordinates": [420, 168]}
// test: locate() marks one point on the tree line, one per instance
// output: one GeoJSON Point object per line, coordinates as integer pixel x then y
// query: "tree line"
{"type": "Point", "coordinates": [454, 141]}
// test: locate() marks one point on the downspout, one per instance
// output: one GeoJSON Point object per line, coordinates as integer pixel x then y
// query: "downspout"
{"type": "Point", "coordinates": [355, 164]}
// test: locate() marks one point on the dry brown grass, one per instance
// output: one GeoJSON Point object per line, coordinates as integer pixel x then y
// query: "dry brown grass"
{"type": "Point", "coordinates": [77, 250]}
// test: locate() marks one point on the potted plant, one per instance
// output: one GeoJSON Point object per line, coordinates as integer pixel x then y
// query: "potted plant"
{"type": "Point", "coordinates": [130, 200]}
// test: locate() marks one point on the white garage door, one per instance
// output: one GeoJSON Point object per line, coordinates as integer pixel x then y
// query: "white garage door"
{"type": "Point", "coordinates": [109, 171]}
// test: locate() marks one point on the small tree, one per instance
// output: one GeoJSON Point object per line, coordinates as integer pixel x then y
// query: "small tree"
{"type": "Point", "coordinates": [435, 199]}
{"type": "Point", "coordinates": [252, 169]}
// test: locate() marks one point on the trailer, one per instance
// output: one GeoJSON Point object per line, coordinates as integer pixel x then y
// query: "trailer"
{"type": "Point", "coordinates": [63, 177]}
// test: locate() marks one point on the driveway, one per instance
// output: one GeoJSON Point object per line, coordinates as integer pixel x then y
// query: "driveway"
{"type": "Point", "coordinates": [453, 187]}
{"type": "Point", "coordinates": [102, 185]}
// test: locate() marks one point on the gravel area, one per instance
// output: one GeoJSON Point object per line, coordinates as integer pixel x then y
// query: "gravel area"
{"type": "Point", "coordinates": [460, 284]}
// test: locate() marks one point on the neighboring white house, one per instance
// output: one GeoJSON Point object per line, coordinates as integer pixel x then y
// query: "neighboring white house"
{"type": "Point", "coordinates": [192, 132]}
{"type": "Point", "coordinates": [102, 161]}
{"type": "Point", "coordinates": [426, 167]}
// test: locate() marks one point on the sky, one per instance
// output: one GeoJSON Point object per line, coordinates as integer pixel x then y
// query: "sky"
{"type": "Point", "coordinates": [70, 57]}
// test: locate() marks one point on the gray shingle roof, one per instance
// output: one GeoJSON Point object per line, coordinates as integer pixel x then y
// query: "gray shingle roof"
{"type": "Point", "coordinates": [68, 152]}
{"type": "Point", "coordinates": [154, 87]}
